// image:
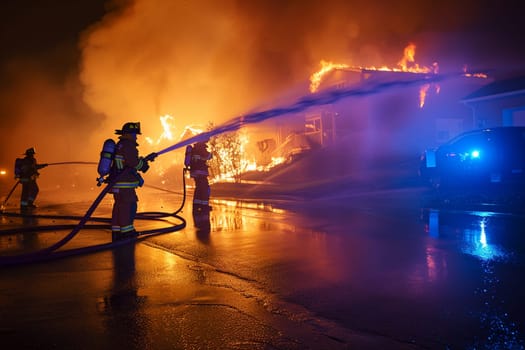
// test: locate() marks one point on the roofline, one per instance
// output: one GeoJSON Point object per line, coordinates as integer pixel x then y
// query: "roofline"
{"type": "Point", "coordinates": [490, 97]}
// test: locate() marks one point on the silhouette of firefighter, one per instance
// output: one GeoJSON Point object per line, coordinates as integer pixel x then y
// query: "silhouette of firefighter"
{"type": "Point", "coordinates": [197, 157]}
{"type": "Point", "coordinates": [124, 172]}
{"type": "Point", "coordinates": [26, 171]}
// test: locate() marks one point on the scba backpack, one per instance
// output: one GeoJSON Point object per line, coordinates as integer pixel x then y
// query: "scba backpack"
{"type": "Point", "coordinates": [19, 162]}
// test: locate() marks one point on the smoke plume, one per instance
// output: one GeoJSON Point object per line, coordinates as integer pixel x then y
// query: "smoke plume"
{"type": "Point", "coordinates": [206, 61]}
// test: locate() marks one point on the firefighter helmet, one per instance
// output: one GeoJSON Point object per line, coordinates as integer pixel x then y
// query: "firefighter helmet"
{"type": "Point", "coordinates": [129, 128]}
{"type": "Point", "coordinates": [30, 151]}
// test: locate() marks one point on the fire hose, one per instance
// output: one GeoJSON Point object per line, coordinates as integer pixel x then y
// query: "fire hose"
{"type": "Point", "coordinates": [62, 163]}
{"type": "Point", "coordinates": [51, 252]}
{"type": "Point", "coordinates": [8, 196]}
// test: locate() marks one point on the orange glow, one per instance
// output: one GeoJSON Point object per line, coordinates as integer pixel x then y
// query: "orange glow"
{"type": "Point", "coordinates": [3, 172]}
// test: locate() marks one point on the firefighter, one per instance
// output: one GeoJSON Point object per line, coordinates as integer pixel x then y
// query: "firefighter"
{"type": "Point", "coordinates": [199, 173]}
{"type": "Point", "coordinates": [124, 174]}
{"type": "Point", "coordinates": [26, 171]}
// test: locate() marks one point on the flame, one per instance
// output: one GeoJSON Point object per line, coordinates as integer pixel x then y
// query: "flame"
{"type": "Point", "coordinates": [166, 133]}
{"type": "Point", "coordinates": [190, 131]}
{"type": "Point", "coordinates": [246, 163]}
{"type": "Point", "coordinates": [406, 64]}
{"type": "Point", "coordinates": [326, 67]}
{"type": "Point", "coordinates": [473, 75]}
{"type": "Point", "coordinates": [166, 122]}
{"type": "Point", "coordinates": [409, 54]}
{"type": "Point", "coordinates": [3, 172]}
{"type": "Point", "coordinates": [275, 161]}
{"type": "Point", "coordinates": [166, 126]}
{"type": "Point", "coordinates": [477, 75]}
{"type": "Point", "coordinates": [423, 94]}
{"type": "Point", "coordinates": [423, 91]}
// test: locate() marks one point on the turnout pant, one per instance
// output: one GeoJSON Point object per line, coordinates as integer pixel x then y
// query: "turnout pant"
{"type": "Point", "coordinates": [201, 196]}
{"type": "Point", "coordinates": [124, 210]}
{"type": "Point", "coordinates": [29, 192]}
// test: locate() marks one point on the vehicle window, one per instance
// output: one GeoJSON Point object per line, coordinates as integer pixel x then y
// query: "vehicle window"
{"type": "Point", "coordinates": [466, 143]}
{"type": "Point", "coordinates": [515, 142]}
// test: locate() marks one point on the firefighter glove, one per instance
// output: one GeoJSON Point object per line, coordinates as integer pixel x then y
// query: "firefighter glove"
{"type": "Point", "coordinates": [145, 167]}
{"type": "Point", "coordinates": [151, 157]}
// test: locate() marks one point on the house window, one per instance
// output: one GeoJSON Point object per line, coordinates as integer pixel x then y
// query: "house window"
{"type": "Point", "coordinates": [313, 125]}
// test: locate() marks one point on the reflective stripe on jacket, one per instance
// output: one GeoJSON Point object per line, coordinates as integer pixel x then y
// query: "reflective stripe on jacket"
{"type": "Point", "coordinates": [199, 158]}
{"type": "Point", "coordinates": [127, 156]}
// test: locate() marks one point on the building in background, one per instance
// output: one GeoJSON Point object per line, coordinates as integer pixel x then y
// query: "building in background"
{"type": "Point", "coordinates": [398, 119]}
{"type": "Point", "coordinates": [501, 103]}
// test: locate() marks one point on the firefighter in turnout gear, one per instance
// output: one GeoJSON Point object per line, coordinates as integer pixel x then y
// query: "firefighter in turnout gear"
{"type": "Point", "coordinates": [124, 173]}
{"type": "Point", "coordinates": [199, 157]}
{"type": "Point", "coordinates": [26, 171]}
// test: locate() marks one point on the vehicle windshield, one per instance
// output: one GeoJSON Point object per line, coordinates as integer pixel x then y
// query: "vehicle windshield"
{"type": "Point", "coordinates": [464, 143]}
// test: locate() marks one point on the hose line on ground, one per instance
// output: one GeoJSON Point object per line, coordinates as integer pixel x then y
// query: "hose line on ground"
{"type": "Point", "coordinates": [51, 252]}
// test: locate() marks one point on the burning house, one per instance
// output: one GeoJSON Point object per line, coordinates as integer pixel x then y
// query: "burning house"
{"type": "Point", "coordinates": [391, 114]}
{"type": "Point", "coordinates": [398, 114]}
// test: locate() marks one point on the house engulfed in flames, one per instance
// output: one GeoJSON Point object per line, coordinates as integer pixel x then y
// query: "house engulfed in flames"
{"type": "Point", "coordinates": [394, 123]}
{"type": "Point", "coordinates": [390, 123]}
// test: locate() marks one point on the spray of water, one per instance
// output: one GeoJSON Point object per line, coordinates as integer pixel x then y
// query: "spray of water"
{"type": "Point", "coordinates": [326, 97]}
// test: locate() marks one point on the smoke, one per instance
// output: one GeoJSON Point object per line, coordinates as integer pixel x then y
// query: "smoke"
{"type": "Point", "coordinates": [41, 101]}
{"type": "Point", "coordinates": [41, 112]}
{"type": "Point", "coordinates": [200, 61]}
{"type": "Point", "coordinates": [197, 61]}
{"type": "Point", "coordinates": [207, 61]}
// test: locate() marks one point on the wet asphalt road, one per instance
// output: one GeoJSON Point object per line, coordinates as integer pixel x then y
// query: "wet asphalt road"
{"type": "Point", "coordinates": [367, 270]}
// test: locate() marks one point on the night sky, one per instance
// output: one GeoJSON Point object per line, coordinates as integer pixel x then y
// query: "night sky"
{"type": "Point", "coordinates": [73, 71]}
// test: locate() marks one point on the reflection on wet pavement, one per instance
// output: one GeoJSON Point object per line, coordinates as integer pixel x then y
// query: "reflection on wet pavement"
{"type": "Point", "coordinates": [258, 275]}
{"type": "Point", "coordinates": [494, 240]}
